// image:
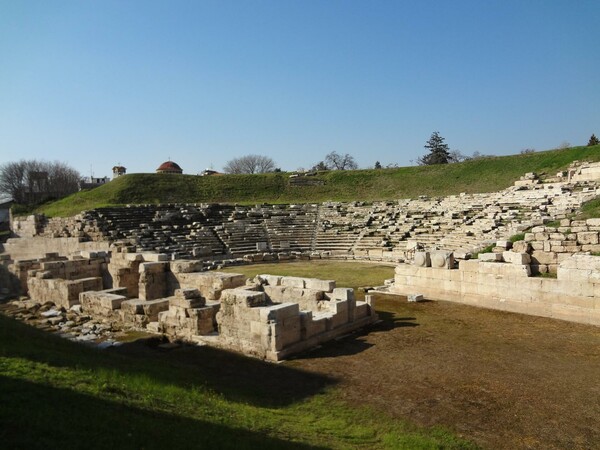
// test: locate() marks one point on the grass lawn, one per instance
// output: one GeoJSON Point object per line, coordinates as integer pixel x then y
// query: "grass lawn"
{"type": "Point", "coordinates": [352, 275]}
{"type": "Point", "coordinates": [56, 393]}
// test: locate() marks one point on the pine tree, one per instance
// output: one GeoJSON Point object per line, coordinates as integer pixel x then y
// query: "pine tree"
{"type": "Point", "coordinates": [593, 140]}
{"type": "Point", "coordinates": [439, 152]}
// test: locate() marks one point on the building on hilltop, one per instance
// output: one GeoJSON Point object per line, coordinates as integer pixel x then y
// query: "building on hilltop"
{"type": "Point", "coordinates": [5, 205]}
{"type": "Point", "coordinates": [118, 171]}
{"type": "Point", "coordinates": [209, 172]}
{"type": "Point", "coordinates": [169, 167]}
{"type": "Point", "coordinates": [92, 182]}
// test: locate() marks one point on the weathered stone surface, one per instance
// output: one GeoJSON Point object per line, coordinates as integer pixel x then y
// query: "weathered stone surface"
{"type": "Point", "coordinates": [422, 259]}
{"type": "Point", "coordinates": [490, 257]}
{"type": "Point", "coordinates": [589, 237]}
{"type": "Point", "coordinates": [516, 258]}
{"type": "Point", "coordinates": [442, 260]}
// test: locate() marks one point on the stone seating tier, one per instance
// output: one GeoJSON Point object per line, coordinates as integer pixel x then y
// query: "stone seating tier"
{"type": "Point", "coordinates": [459, 222]}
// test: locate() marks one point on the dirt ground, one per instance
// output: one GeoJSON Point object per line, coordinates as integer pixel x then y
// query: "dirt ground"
{"type": "Point", "coordinates": [502, 380]}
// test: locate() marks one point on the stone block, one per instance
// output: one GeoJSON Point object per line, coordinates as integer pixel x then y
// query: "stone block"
{"type": "Point", "coordinates": [279, 312]}
{"type": "Point", "coordinates": [340, 313]}
{"type": "Point", "coordinates": [415, 297]}
{"type": "Point", "coordinates": [422, 259]}
{"type": "Point", "coordinates": [565, 222]}
{"type": "Point", "coordinates": [442, 260]}
{"type": "Point", "coordinates": [589, 237]}
{"type": "Point", "coordinates": [111, 301]}
{"type": "Point", "coordinates": [185, 266]}
{"type": "Point", "coordinates": [183, 302]}
{"type": "Point", "coordinates": [539, 257]}
{"type": "Point", "coordinates": [516, 258]}
{"type": "Point", "coordinates": [321, 285]}
{"type": "Point", "coordinates": [469, 265]}
{"type": "Point", "coordinates": [271, 280]}
{"type": "Point", "coordinates": [521, 247]}
{"type": "Point", "coordinates": [153, 267]}
{"type": "Point", "coordinates": [296, 282]}
{"type": "Point", "coordinates": [311, 326]}
{"type": "Point", "coordinates": [132, 307]}
{"type": "Point", "coordinates": [342, 294]}
{"type": "Point", "coordinates": [187, 293]}
{"type": "Point", "coordinates": [490, 257]}
{"type": "Point", "coordinates": [151, 308]}
{"type": "Point", "coordinates": [362, 310]}
{"type": "Point", "coordinates": [155, 257]}
{"type": "Point", "coordinates": [504, 244]}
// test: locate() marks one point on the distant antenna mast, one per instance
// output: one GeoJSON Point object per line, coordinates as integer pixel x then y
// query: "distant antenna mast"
{"type": "Point", "coordinates": [91, 172]}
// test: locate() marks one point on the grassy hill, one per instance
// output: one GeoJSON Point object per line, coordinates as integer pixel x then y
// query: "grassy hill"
{"type": "Point", "coordinates": [481, 175]}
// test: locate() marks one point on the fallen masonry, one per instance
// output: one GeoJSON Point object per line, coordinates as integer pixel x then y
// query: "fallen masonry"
{"type": "Point", "coordinates": [270, 317]}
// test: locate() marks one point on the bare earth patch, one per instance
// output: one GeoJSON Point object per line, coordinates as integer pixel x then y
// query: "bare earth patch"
{"type": "Point", "coordinates": [500, 379]}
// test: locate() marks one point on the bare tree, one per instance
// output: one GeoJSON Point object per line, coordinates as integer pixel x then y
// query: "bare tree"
{"type": "Point", "coordinates": [250, 164]}
{"type": "Point", "coordinates": [36, 181]}
{"type": "Point", "coordinates": [340, 162]}
{"type": "Point", "coordinates": [321, 166]}
{"type": "Point", "coordinates": [456, 156]}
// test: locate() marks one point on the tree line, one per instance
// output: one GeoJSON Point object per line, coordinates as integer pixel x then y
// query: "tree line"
{"type": "Point", "coordinates": [33, 181]}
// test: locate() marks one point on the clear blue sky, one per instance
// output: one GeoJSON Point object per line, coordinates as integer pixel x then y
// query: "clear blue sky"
{"type": "Point", "coordinates": [96, 83]}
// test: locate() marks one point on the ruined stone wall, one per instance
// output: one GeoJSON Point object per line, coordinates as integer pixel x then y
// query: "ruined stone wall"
{"type": "Point", "coordinates": [63, 293]}
{"type": "Point", "coordinates": [10, 285]}
{"type": "Point", "coordinates": [26, 226]}
{"type": "Point", "coordinates": [574, 295]}
{"type": "Point", "coordinates": [278, 316]}
{"type": "Point", "coordinates": [549, 246]}
{"type": "Point", "coordinates": [37, 247]}
{"type": "Point", "coordinates": [379, 230]}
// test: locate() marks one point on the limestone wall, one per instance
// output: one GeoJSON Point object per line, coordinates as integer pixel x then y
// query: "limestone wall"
{"type": "Point", "coordinates": [37, 247]}
{"type": "Point", "coordinates": [574, 295]}
{"type": "Point", "coordinates": [549, 246]}
{"type": "Point", "coordinates": [379, 230]}
{"type": "Point", "coordinates": [278, 316]}
{"type": "Point", "coordinates": [10, 285]}
{"type": "Point", "coordinates": [26, 226]}
{"type": "Point", "coordinates": [63, 293]}
{"type": "Point", "coordinates": [188, 315]}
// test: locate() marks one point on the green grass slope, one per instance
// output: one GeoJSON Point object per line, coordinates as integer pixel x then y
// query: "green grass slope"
{"type": "Point", "coordinates": [481, 175]}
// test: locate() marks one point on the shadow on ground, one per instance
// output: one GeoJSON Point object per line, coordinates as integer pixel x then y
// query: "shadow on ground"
{"type": "Point", "coordinates": [236, 377]}
{"type": "Point", "coordinates": [355, 343]}
{"type": "Point", "coordinates": [45, 417]}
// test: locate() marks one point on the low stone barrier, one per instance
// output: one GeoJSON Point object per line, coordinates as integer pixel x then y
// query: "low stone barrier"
{"type": "Point", "coordinates": [574, 295]}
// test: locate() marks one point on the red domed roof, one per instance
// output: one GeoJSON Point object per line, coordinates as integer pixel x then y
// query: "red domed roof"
{"type": "Point", "coordinates": [169, 166]}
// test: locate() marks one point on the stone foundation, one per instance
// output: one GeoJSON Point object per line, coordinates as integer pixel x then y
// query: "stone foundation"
{"type": "Point", "coordinates": [275, 316]}
{"type": "Point", "coordinates": [270, 317]}
{"type": "Point", "coordinates": [574, 295]}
